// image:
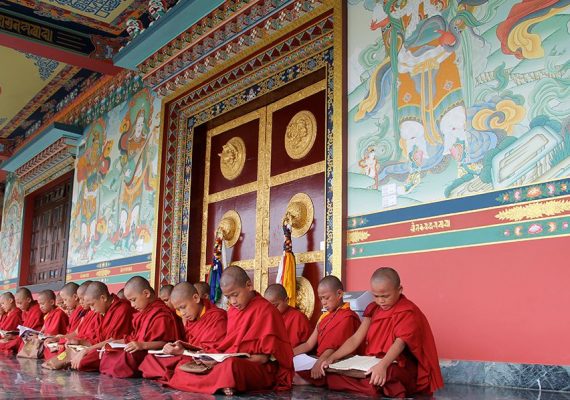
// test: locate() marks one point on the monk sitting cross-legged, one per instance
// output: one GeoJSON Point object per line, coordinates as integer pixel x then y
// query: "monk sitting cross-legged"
{"type": "Point", "coordinates": [335, 326]}
{"type": "Point", "coordinates": [115, 324]}
{"type": "Point", "coordinates": [254, 327]}
{"type": "Point", "coordinates": [205, 326]}
{"type": "Point", "coordinates": [296, 323]}
{"type": "Point", "coordinates": [12, 314]}
{"type": "Point", "coordinates": [152, 329]}
{"type": "Point", "coordinates": [164, 294]}
{"type": "Point", "coordinates": [32, 317]}
{"type": "Point", "coordinates": [395, 330]}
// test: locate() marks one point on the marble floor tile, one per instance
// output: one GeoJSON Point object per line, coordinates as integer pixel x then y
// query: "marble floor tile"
{"type": "Point", "coordinates": [25, 379]}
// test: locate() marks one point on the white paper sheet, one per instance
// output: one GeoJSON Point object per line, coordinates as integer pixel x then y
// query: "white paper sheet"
{"type": "Point", "coordinates": [303, 362]}
{"type": "Point", "coordinates": [215, 356]}
{"type": "Point", "coordinates": [360, 363]}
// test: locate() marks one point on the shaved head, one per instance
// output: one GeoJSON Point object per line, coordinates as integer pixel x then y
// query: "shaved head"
{"type": "Point", "coordinates": [47, 294]}
{"type": "Point", "coordinates": [24, 293]}
{"type": "Point", "coordinates": [121, 294]}
{"type": "Point", "coordinates": [167, 289]}
{"type": "Point", "coordinates": [183, 290]}
{"type": "Point", "coordinates": [276, 290]}
{"type": "Point", "coordinates": [70, 288]}
{"type": "Point", "coordinates": [83, 287]}
{"type": "Point", "coordinates": [203, 289]}
{"type": "Point", "coordinates": [137, 284]}
{"type": "Point", "coordinates": [386, 274]}
{"type": "Point", "coordinates": [331, 282]}
{"type": "Point", "coordinates": [7, 296]}
{"type": "Point", "coordinates": [234, 276]}
{"type": "Point", "coordinates": [97, 289]}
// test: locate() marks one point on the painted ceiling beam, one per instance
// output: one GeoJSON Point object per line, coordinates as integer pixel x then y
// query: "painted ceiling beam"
{"type": "Point", "coordinates": [64, 56]}
{"type": "Point", "coordinates": [177, 20]}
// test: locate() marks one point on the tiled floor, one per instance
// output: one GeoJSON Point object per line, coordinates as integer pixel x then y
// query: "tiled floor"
{"type": "Point", "coordinates": [25, 379]}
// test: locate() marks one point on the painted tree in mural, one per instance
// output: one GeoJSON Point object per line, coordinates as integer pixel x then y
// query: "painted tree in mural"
{"type": "Point", "coordinates": [116, 179]}
{"type": "Point", "coordinates": [449, 98]}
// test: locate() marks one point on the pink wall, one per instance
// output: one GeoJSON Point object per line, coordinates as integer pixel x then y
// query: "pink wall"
{"type": "Point", "coordinates": [508, 302]}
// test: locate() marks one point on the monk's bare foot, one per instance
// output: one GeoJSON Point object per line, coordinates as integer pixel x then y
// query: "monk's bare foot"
{"type": "Point", "coordinates": [297, 380]}
{"type": "Point", "coordinates": [228, 391]}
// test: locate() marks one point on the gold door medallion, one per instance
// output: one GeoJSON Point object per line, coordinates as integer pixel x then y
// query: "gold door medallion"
{"type": "Point", "coordinates": [232, 158]}
{"type": "Point", "coordinates": [300, 134]}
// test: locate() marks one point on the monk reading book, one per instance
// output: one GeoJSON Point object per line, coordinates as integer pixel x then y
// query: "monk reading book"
{"type": "Point", "coordinates": [335, 326]}
{"type": "Point", "coordinates": [12, 314]}
{"type": "Point", "coordinates": [397, 332]}
{"type": "Point", "coordinates": [152, 329]}
{"type": "Point", "coordinates": [115, 324]}
{"type": "Point", "coordinates": [164, 294]}
{"type": "Point", "coordinates": [254, 327]}
{"type": "Point", "coordinates": [205, 326]}
{"type": "Point", "coordinates": [296, 323]}
{"type": "Point", "coordinates": [32, 317]}
{"type": "Point", "coordinates": [55, 318]}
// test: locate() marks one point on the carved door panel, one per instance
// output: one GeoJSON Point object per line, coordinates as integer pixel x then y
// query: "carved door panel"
{"type": "Point", "coordinates": [254, 166]}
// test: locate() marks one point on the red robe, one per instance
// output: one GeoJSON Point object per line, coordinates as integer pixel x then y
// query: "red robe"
{"type": "Point", "coordinates": [417, 368]}
{"type": "Point", "coordinates": [33, 318]}
{"type": "Point", "coordinates": [153, 324]}
{"type": "Point", "coordinates": [115, 324]}
{"type": "Point", "coordinates": [11, 320]}
{"type": "Point", "coordinates": [75, 319]}
{"type": "Point", "coordinates": [89, 327]}
{"type": "Point", "coordinates": [78, 317]}
{"type": "Point", "coordinates": [333, 329]}
{"type": "Point", "coordinates": [297, 325]}
{"type": "Point", "coordinates": [257, 329]}
{"type": "Point", "coordinates": [55, 322]}
{"type": "Point", "coordinates": [208, 329]}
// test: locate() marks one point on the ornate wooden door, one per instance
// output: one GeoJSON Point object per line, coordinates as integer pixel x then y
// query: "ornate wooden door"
{"type": "Point", "coordinates": [258, 165]}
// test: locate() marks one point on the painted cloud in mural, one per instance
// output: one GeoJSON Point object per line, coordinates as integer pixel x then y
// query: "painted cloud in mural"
{"type": "Point", "coordinates": [451, 98]}
{"type": "Point", "coordinates": [116, 182]}
{"type": "Point", "coordinates": [11, 234]}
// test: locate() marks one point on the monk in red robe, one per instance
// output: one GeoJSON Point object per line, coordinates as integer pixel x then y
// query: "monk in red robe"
{"type": "Point", "coordinates": [203, 289]}
{"type": "Point", "coordinates": [335, 326]}
{"type": "Point", "coordinates": [55, 319]}
{"type": "Point", "coordinates": [164, 294]}
{"type": "Point", "coordinates": [297, 324]}
{"type": "Point", "coordinates": [115, 324]}
{"type": "Point", "coordinates": [395, 330]}
{"type": "Point", "coordinates": [152, 329]}
{"type": "Point", "coordinates": [32, 317]}
{"type": "Point", "coordinates": [12, 314]}
{"type": "Point", "coordinates": [205, 326]}
{"type": "Point", "coordinates": [254, 327]}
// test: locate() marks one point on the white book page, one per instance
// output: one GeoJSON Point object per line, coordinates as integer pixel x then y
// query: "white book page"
{"type": "Point", "coordinates": [114, 345]}
{"type": "Point", "coordinates": [303, 362]}
{"type": "Point", "coordinates": [217, 357]}
{"type": "Point", "coordinates": [360, 363]}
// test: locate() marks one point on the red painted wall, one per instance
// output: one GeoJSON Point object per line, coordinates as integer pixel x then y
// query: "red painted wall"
{"type": "Point", "coordinates": [508, 302]}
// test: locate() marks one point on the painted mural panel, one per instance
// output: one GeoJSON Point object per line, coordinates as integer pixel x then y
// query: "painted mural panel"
{"type": "Point", "coordinates": [451, 98]}
{"type": "Point", "coordinates": [116, 183]}
{"type": "Point", "coordinates": [11, 234]}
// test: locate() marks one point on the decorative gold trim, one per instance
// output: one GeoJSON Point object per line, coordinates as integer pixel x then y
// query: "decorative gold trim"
{"type": "Point", "coordinates": [230, 227]}
{"type": "Point", "coordinates": [296, 174]}
{"type": "Point", "coordinates": [305, 296]}
{"type": "Point", "coordinates": [232, 192]}
{"type": "Point", "coordinates": [339, 218]}
{"type": "Point", "coordinates": [534, 211]}
{"type": "Point", "coordinates": [300, 213]}
{"type": "Point", "coordinates": [297, 96]}
{"type": "Point", "coordinates": [300, 134]}
{"type": "Point", "coordinates": [356, 236]}
{"type": "Point", "coordinates": [232, 158]}
{"type": "Point", "coordinates": [262, 205]}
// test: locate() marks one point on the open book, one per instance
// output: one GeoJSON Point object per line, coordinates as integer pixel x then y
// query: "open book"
{"type": "Point", "coordinates": [213, 356]}
{"type": "Point", "coordinates": [77, 347]}
{"type": "Point", "coordinates": [189, 350]}
{"type": "Point", "coordinates": [25, 330]}
{"type": "Point", "coordinates": [112, 346]}
{"type": "Point", "coordinates": [4, 333]}
{"type": "Point", "coordinates": [52, 347]}
{"type": "Point", "coordinates": [303, 362]}
{"type": "Point", "coordinates": [355, 366]}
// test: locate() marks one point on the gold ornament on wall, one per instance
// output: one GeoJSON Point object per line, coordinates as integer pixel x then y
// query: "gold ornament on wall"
{"type": "Point", "coordinates": [300, 134]}
{"type": "Point", "coordinates": [305, 296]}
{"type": "Point", "coordinates": [230, 227]}
{"type": "Point", "coordinates": [232, 158]}
{"type": "Point", "coordinates": [299, 214]}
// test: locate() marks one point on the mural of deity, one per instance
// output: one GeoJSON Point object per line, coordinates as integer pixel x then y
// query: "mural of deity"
{"type": "Point", "coordinates": [10, 236]}
{"type": "Point", "coordinates": [116, 180]}
{"type": "Point", "coordinates": [453, 80]}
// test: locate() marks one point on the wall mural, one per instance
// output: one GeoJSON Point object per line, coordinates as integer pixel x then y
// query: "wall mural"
{"type": "Point", "coordinates": [450, 98]}
{"type": "Point", "coordinates": [11, 234]}
{"type": "Point", "coordinates": [116, 184]}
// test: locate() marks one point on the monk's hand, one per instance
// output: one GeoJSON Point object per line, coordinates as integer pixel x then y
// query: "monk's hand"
{"type": "Point", "coordinates": [317, 371]}
{"type": "Point", "coordinates": [134, 346]}
{"type": "Point", "coordinates": [175, 349]}
{"type": "Point", "coordinates": [325, 364]}
{"type": "Point", "coordinates": [72, 341]}
{"type": "Point", "coordinates": [77, 357]}
{"type": "Point", "coordinates": [378, 374]}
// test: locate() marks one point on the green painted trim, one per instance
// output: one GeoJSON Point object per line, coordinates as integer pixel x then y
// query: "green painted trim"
{"type": "Point", "coordinates": [176, 21]}
{"type": "Point", "coordinates": [41, 142]}
{"type": "Point", "coordinates": [449, 240]}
